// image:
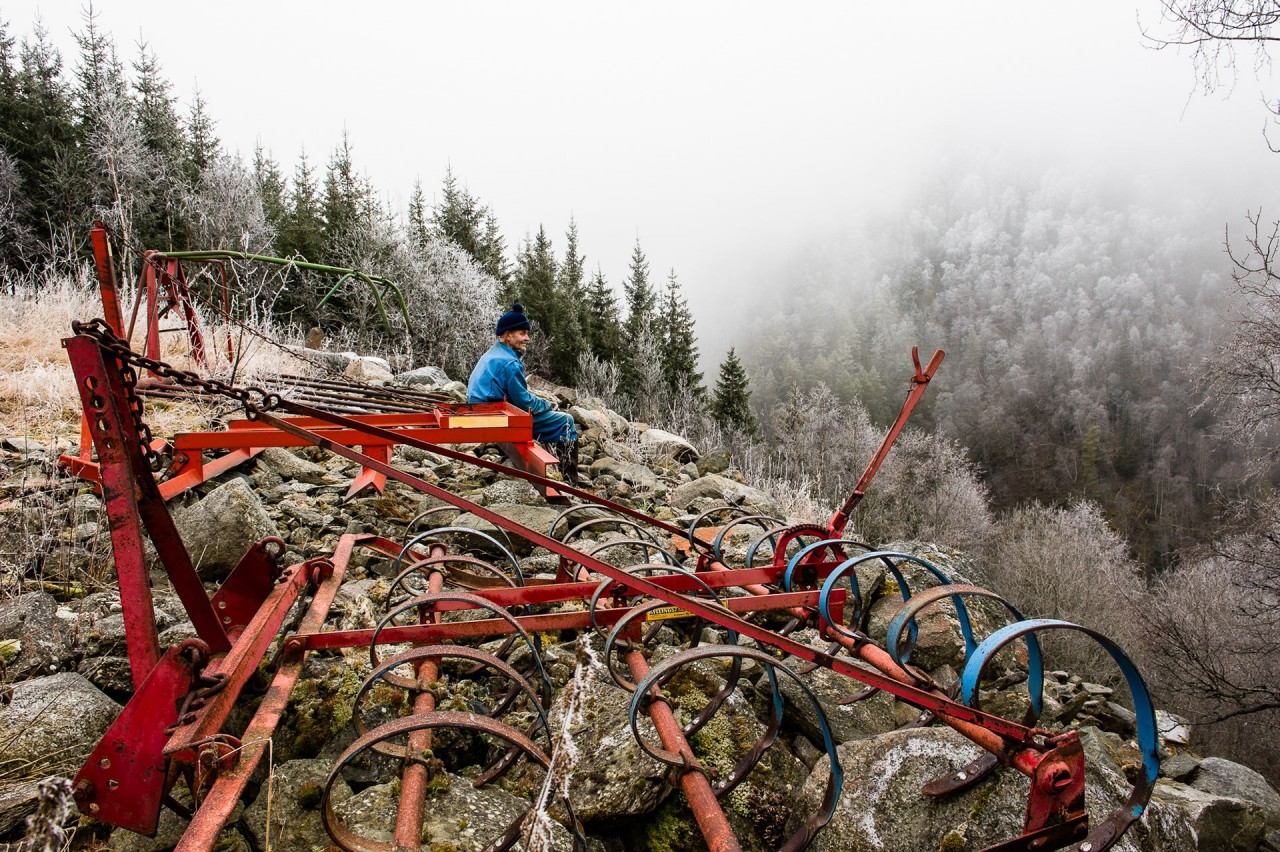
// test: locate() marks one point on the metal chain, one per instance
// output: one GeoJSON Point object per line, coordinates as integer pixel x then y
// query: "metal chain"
{"type": "Point", "coordinates": [253, 400]}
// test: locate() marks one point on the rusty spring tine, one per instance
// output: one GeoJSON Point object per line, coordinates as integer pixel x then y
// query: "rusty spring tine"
{"type": "Point", "coordinates": [619, 590]}
{"type": "Point", "coordinates": [634, 613]}
{"type": "Point", "coordinates": [891, 560]}
{"type": "Point", "coordinates": [567, 512]}
{"type": "Point", "coordinates": [918, 602]}
{"type": "Point", "coordinates": [435, 510]}
{"type": "Point", "coordinates": [664, 670]}
{"type": "Point", "coordinates": [1120, 819]}
{"type": "Point", "coordinates": [754, 520]}
{"type": "Point", "coordinates": [645, 545]}
{"type": "Point", "coordinates": [475, 601]}
{"type": "Point", "coordinates": [352, 842]}
{"type": "Point", "coordinates": [442, 652]}
{"type": "Point", "coordinates": [790, 576]}
{"type": "Point", "coordinates": [642, 533]}
{"type": "Point", "coordinates": [709, 710]}
{"type": "Point", "coordinates": [437, 563]}
{"type": "Point", "coordinates": [515, 563]}
{"type": "Point", "coordinates": [713, 511]}
{"type": "Point", "coordinates": [750, 757]}
{"type": "Point", "coordinates": [785, 535]}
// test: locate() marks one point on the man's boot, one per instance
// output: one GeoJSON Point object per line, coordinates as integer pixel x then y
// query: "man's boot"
{"type": "Point", "coordinates": [567, 455]}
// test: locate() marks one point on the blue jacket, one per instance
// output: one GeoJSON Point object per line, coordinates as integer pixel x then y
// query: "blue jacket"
{"type": "Point", "coordinates": [499, 375]}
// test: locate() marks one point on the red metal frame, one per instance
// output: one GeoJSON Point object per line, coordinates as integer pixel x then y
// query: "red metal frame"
{"type": "Point", "coordinates": [164, 281]}
{"type": "Point", "coordinates": [172, 725]}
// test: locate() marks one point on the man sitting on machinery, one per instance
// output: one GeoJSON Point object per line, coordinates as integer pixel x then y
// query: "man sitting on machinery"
{"type": "Point", "coordinates": [499, 375]}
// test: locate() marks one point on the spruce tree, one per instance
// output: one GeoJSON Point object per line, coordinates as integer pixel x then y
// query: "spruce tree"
{"type": "Point", "coordinates": [601, 327]}
{"type": "Point", "coordinates": [160, 225]}
{"type": "Point", "coordinates": [641, 321]}
{"type": "Point", "coordinates": [346, 201]}
{"type": "Point", "coordinates": [41, 133]}
{"type": "Point", "coordinates": [571, 307]}
{"type": "Point", "coordinates": [8, 84]}
{"type": "Point", "coordinates": [731, 400]}
{"type": "Point", "coordinates": [470, 225]}
{"type": "Point", "coordinates": [641, 299]}
{"type": "Point", "coordinates": [100, 74]}
{"type": "Point", "coordinates": [536, 286]}
{"type": "Point", "coordinates": [202, 143]}
{"type": "Point", "coordinates": [270, 184]}
{"type": "Point", "coordinates": [303, 231]}
{"type": "Point", "coordinates": [419, 222]}
{"type": "Point", "coordinates": [679, 343]}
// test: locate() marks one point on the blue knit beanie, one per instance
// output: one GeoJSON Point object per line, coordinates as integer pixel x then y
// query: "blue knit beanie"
{"type": "Point", "coordinates": [512, 320]}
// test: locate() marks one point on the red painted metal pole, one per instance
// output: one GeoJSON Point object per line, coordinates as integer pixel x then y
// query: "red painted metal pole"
{"type": "Point", "coordinates": [918, 384]}
{"type": "Point", "coordinates": [413, 782]}
{"type": "Point", "coordinates": [105, 265]}
{"type": "Point", "coordinates": [694, 784]}
{"type": "Point", "coordinates": [225, 792]}
{"type": "Point", "coordinates": [101, 395]}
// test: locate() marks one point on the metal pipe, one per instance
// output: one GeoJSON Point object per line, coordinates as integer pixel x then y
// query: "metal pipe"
{"type": "Point", "coordinates": [413, 783]}
{"type": "Point", "coordinates": [693, 783]}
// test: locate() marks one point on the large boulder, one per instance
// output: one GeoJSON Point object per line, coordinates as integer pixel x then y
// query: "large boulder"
{"type": "Point", "coordinates": [881, 807]}
{"type": "Point", "coordinates": [611, 777]}
{"type": "Point", "coordinates": [33, 639]}
{"type": "Point", "coordinates": [429, 376]}
{"type": "Point", "coordinates": [220, 528]}
{"type": "Point", "coordinates": [458, 816]}
{"type": "Point", "coordinates": [370, 371]}
{"type": "Point", "coordinates": [55, 721]}
{"type": "Point", "coordinates": [288, 465]}
{"type": "Point", "coordinates": [534, 517]}
{"type": "Point", "coordinates": [633, 473]}
{"type": "Point", "coordinates": [660, 444]}
{"type": "Point", "coordinates": [1225, 778]}
{"type": "Point", "coordinates": [719, 487]}
{"type": "Point", "coordinates": [292, 796]}
{"type": "Point", "coordinates": [1221, 823]}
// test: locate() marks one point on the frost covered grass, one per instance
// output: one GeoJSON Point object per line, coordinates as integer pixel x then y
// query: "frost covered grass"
{"type": "Point", "coordinates": [38, 396]}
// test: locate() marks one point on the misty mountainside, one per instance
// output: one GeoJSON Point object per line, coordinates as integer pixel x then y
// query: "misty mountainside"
{"type": "Point", "coordinates": [1074, 321]}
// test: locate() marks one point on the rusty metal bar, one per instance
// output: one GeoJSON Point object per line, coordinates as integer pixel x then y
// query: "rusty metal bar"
{"type": "Point", "coordinates": [225, 792]}
{"type": "Point", "coordinates": [693, 781]}
{"type": "Point", "coordinates": [414, 780]}
{"type": "Point", "coordinates": [1011, 731]}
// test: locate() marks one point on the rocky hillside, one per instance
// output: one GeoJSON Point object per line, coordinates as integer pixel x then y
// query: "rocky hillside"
{"type": "Point", "coordinates": [63, 649]}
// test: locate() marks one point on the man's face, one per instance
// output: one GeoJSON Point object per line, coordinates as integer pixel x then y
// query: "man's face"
{"type": "Point", "coordinates": [517, 339]}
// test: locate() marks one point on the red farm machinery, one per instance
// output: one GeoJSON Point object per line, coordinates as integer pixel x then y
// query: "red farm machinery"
{"type": "Point", "coordinates": [171, 745]}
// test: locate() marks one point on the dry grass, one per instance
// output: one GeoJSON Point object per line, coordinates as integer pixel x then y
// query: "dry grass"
{"type": "Point", "coordinates": [37, 390]}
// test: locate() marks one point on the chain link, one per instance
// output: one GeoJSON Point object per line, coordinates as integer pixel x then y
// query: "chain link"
{"type": "Point", "coordinates": [254, 400]}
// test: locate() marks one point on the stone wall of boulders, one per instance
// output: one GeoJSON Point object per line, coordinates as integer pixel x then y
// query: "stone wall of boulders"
{"type": "Point", "coordinates": [64, 661]}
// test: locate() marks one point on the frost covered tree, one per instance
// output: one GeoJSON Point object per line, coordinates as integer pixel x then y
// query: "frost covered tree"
{"type": "Point", "coordinates": [642, 319]}
{"type": "Point", "coordinates": [452, 301]}
{"type": "Point", "coordinates": [731, 398]}
{"type": "Point", "coordinates": [17, 242]}
{"type": "Point", "coordinates": [679, 343]}
{"type": "Point", "coordinates": [463, 220]}
{"type": "Point", "coordinates": [602, 330]}
{"type": "Point", "coordinates": [225, 210]}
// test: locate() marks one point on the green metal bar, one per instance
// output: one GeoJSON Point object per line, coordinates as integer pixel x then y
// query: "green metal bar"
{"type": "Point", "coordinates": [371, 280]}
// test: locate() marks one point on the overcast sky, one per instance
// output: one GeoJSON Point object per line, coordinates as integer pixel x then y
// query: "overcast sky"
{"type": "Point", "coordinates": [718, 133]}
